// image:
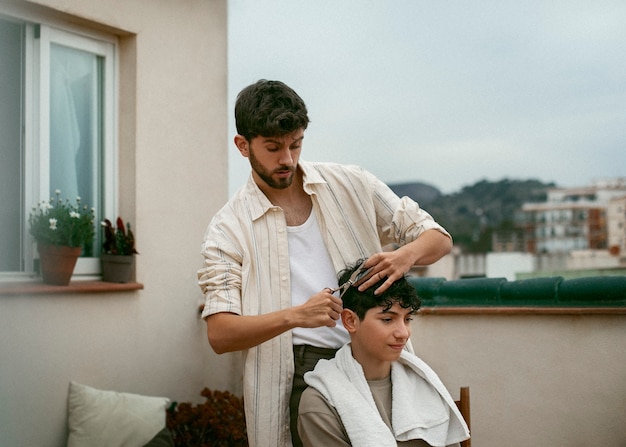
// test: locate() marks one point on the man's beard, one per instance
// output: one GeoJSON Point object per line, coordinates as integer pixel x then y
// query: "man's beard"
{"type": "Point", "coordinates": [266, 175]}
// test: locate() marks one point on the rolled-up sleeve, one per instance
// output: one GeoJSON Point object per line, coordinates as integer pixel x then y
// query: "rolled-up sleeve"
{"type": "Point", "coordinates": [400, 219]}
{"type": "Point", "coordinates": [220, 277]}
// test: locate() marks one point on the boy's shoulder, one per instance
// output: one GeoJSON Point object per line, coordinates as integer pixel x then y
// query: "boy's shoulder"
{"type": "Point", "coordinates": [312, 401]}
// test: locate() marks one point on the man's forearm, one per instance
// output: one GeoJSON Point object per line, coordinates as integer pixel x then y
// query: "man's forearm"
{"type": "Point", "coordinates": [429, 247]}
{"type": "Point", "coordinates": [228, 332]}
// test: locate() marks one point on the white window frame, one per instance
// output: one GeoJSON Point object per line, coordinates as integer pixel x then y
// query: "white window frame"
{"type": "Point", "coordinates": [40, 34]}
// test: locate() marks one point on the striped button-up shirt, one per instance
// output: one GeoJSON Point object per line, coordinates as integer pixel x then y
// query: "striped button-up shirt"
{"type": "Point", "coordinates": [246, 269]}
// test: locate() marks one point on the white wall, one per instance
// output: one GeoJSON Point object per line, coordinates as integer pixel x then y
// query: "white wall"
{"type": "Point", "coordinates": [173, 172]}
{"type": "Point", "coordinates": [506, 265]}
{"type": "Point", "coordinates": [592, 259]}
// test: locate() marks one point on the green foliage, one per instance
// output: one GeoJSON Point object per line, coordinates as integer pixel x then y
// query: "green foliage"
{"type": "Point", "coordinates": [474, 213]}
{"type": "Point", "coordinates": [120, 241]}
{"type": "Point", "coordinates": [218, 422]}
{"type": "Point", "coordinates": [58, 222]}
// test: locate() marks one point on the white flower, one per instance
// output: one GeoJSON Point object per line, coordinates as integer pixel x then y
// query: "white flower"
{"type": "Point", "coordinates": [74, 214]}
{"type": "Point", "coordinates": [57, 191]}
{"type": "Point", "coordinates": [53, 224]}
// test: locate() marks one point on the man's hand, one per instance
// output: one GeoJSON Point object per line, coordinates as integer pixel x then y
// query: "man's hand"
{"type": "Point", "coordinates": [322, 309]}
{"type": "Point", "coordinates": [391, 266]}
{"type": "Point", "coordinates": [431, 246]}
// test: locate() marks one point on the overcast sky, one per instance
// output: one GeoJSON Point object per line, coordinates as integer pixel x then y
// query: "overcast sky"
{"type": "Point", "coordinates": [444, 92]}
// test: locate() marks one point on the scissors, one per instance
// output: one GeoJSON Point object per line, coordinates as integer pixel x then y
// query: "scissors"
{"type": "Point", "coordinates": [355, 279]}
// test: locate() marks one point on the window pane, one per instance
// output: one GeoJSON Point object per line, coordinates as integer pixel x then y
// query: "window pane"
{"type": "Point", "coordinates": [75, 125]}
{"type": "Point", "coordinates": [11, 43]}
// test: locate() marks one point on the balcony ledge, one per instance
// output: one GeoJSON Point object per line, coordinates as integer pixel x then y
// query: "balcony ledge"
{"type": "Point", "coordinates": [548, 295]}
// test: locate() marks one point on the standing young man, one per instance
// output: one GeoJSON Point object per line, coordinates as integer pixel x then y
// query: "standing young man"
{"type": "Point", "coordinates": [374, 392]}
{"type": "Point", "coordinates": [272, 251]}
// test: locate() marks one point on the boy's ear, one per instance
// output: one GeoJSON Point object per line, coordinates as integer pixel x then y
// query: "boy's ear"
{"type": "Point", "coordinates": [350, 320]}
{"type": "Point", "coordinates": [242, 144]}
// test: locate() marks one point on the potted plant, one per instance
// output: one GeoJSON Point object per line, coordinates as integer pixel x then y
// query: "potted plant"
{"type": "Point", "coordinates": [118, 251]}
{"type": "Point", "coordinates": [61, 229]}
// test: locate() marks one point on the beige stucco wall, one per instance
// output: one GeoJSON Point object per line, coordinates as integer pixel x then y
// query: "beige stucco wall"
{"type": "Point", "coordinates": [540, 380]}
{"type": "Point", "coordinates": [173, 177]}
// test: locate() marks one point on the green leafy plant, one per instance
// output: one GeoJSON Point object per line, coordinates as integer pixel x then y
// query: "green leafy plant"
{"type": "Point", "coordinates": [118, 241]}
{"type": "Point", "coordinates": [218, 422]}
{"type": "Point", "coordinates": [58, 222]}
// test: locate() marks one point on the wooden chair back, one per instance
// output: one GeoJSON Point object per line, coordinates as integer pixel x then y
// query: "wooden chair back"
{"type": "Point", "coordinates": [464, 407]}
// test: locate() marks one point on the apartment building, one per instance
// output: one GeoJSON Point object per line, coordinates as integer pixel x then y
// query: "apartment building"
{"type": "Point", "coordinates": [573, 218]}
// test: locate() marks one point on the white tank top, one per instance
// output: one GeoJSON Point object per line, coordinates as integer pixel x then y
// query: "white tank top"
{"type": "Point", "coordinates": [311, 271]}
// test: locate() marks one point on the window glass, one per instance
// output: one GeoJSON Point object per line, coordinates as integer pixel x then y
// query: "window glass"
{"type": "Point", "coordinates": [11, 225]}
{"type": "Point", "coordinates": [75, 125]}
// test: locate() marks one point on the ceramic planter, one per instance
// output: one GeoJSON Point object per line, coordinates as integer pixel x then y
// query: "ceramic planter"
{"type": "Point", "coordinates": [117, 268]}
{"type": "Point", "coordinates": [57, 263]}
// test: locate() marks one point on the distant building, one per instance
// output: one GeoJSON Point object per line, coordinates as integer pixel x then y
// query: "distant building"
{"type": "Point", "coordinates": [507, 241]}
{"type": "Point", "coordinates": [571, 218]}
{"type": "Point", "coordinates": [616, 220]}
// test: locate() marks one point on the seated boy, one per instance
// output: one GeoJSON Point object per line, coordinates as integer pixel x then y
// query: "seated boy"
{"type": "Point", "coordinates": [374, 392]}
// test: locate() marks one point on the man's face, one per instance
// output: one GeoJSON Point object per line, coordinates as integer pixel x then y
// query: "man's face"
{"type": "Point", "coordinates": [381, 336]}
{"type": "Point", "coordinates": [274, 159]}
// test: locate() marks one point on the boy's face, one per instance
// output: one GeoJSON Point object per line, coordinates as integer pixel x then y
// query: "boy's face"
{"type": "Point", "coordinates": [379, 338]}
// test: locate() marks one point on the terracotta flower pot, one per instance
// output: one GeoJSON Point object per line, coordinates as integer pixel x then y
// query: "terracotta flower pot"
{"type": "Point", "coordinates": [117, 268]}
{"type": "Point", "coordinates": [57, 263]}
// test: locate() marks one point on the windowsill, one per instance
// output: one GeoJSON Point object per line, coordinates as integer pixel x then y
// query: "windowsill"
{"type": "Point", "coordinates": [74, 287]}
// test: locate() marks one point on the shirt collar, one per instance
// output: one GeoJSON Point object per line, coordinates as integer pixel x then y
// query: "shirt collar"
{"type": "Point", "coordinates": [260, 204]}
{"type": "Point", "coordinates": [311, 176]}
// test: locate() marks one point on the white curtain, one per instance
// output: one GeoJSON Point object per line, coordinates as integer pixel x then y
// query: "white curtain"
{"type": "Point", "coordinates": [73, 139]}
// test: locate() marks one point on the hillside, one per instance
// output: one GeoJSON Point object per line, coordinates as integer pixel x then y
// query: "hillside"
{"type": "Point", "coordinates": [472, 214]}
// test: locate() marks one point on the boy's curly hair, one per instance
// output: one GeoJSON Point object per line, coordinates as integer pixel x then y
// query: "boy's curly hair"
{"type": "Point", "coordinates": [400, 292]}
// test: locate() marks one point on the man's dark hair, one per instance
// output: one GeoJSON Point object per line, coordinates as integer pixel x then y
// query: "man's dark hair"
{"type": "Point", "coordinates": [269, 109]}
{"type": "Point", "coordinates": [400, 292]}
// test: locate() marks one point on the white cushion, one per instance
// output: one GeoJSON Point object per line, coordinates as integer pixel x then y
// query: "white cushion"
{"type": "Point", "coordinates": [110, 419]}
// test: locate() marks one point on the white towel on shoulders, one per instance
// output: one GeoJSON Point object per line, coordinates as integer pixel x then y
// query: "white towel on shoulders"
{"type": "Point", "coordinates": [421, 406]}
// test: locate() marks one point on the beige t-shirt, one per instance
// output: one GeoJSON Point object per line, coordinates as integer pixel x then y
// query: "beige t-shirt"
{"type": "Point", "coordinates": [319, 423]}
